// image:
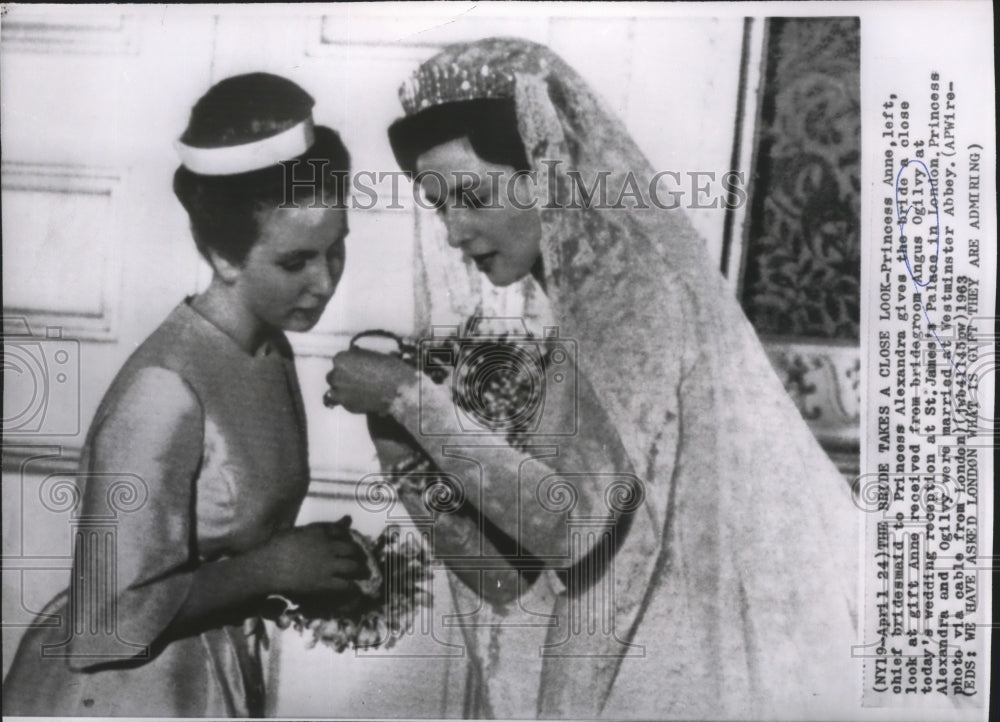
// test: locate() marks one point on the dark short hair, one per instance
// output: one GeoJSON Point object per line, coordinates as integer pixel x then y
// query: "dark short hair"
{"type": "Point", "coordinates": [490, 124]}
{"type": "Point", "coordinates": [225, 210]}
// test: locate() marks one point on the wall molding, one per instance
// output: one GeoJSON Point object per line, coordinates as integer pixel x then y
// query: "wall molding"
{"type": "Point", "coordinates": [71, 180]}
{"type": "Point", "coordinates": [44, 459]}
{"type": "Point", "coordinates": [418, 37]}
{"type": "Point", "coordinates": [92, 34]}
{"type": "Point", "coordinates": [47, 458]}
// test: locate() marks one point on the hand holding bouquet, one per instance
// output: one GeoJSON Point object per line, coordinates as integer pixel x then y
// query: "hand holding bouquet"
{"type": "Point", "coordinates": [386, 608]}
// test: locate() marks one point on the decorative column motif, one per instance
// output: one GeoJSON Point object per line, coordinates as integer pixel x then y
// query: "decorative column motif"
{"type": "Point", "coordinates": [591, 579]}
{"type": "Point", "coordinates": [376, 493]}
{"type": "Point", "coordinates": [92, 627]}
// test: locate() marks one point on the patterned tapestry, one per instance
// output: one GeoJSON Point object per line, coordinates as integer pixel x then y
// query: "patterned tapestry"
{"type": "Point", "coordinates": [802, 265]}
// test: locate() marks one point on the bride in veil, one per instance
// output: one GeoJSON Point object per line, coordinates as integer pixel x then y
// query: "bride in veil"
{"type": "Point", "coordinates": [672, 541]}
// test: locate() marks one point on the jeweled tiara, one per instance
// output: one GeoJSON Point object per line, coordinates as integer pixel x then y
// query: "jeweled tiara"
{"type": "Point", "coordinates": [435, 85]}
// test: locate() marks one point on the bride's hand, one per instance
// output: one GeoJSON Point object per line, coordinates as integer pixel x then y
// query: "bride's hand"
{"type": "Point", "coordinates": [366, 382]}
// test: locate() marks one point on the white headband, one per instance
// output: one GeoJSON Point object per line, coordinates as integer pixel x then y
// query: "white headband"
{"type": "Point", "coordinates": [259, 154]}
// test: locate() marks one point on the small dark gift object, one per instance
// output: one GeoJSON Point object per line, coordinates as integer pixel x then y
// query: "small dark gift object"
{"type": "Point", "coordinates": [405, 351]}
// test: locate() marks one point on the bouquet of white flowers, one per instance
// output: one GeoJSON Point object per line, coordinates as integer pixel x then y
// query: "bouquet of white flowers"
{"type": "Point", "coordinates": [387, 607]}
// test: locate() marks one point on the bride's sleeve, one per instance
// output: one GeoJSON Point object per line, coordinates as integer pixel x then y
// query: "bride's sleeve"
{"type": "Point", "coordinates": [484, 559]}
{"type": "Point", "coordinates": [549, 495]}
{"type": "Point", "coordinates": [144, 456]}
